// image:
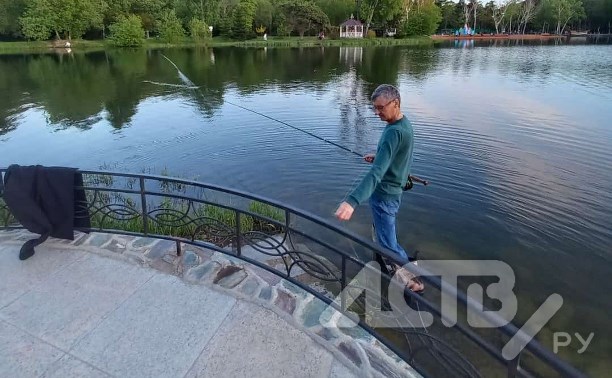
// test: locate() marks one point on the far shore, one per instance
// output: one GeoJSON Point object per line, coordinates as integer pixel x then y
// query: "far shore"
{"type": "Point", "coordinates": [92, 45]}
{"type": "Point", "coordinates": [81, 45]}
{"type": "Point", "coordinates": [511, 36]}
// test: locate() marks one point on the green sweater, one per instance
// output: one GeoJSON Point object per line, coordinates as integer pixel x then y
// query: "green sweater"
{"type": "Point", "coordinates": [391, 166]}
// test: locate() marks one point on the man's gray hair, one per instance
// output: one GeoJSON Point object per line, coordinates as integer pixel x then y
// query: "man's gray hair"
{"type": "Point", "coordinates": [387, 91]}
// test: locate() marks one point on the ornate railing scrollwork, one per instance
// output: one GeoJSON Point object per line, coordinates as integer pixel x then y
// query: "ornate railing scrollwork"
{"type": "Point", "coordinates": [284, 240]}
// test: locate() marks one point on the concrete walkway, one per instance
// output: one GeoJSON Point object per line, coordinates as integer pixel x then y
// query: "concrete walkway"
{"type": "Point", "coordinates": [71, 312]}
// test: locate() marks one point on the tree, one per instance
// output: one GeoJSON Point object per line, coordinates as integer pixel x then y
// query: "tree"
{"type": "Point", "coordinates": [423, 18]}
{"type": "Point", "coordinates": [150, 12]}
{"type": "Point", "coordinates": [226, 10]}
{"type": "Point", "coordinates": [474, 5]}
{"type": "Point", "coordinates": [527, 12]}
{"type": "Point", "coordinates": [198, 29]}
{"type": "Point", "coordinates": [565, 11]}
{"type": "Point", "coordinates": [382, 11]}
{"type": "Point", "coordinates": [242, 20]}
{"type": "Point", "coordinates": [513, 10]}
{"type": "Point", "coordinates": [112, 11]}
{"type": "Point", "coordinates": [499, 12]}
{"type": "Point", "coordinates": [301, 16]}
{"type": "Point", "coordinates": [264, 14]}
{"type": "Point", "coordinates": [466, 12]}
{"type": "Point", "coordinates": [337, 10]}
{"type": "Point", "coordinates": [449, 14]}
{"type": "Point", "coordinates": [127, 31]}
{"type": "Point", "coordinates": [205, 10]}
{"type": "Point", "coordinates": [170, 28]}
{"type": "Point", "coordinates": [69, 17]}
{"type": "Point", "coordinates": [10, 11]}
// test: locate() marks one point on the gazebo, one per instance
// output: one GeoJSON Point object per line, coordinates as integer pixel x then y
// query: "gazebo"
{"type": "Point", "coordinates": [351, 28]}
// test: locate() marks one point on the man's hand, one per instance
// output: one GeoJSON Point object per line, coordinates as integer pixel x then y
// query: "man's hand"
{"type": "Point", "coordinates": [345, 211]}
{"type": "Point", "coordinates": [369, 158]}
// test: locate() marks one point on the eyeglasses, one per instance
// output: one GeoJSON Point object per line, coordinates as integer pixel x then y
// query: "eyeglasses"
{"type": "Point", "coordinates": [380, 108]}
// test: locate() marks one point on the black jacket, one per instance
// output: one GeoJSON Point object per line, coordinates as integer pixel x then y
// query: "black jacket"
{"type": "Point", "coordinates": [46, 201]}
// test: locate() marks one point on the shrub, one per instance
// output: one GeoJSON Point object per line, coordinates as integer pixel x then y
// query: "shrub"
{"type": "Point", "coordinates": [170, 28]}
{"type": "Point", "coordinates": [198, 30]}
{"type": "Point", "coordinates": [127, 32]}
{"type": "Point", "coordinates": [371, 34]}
{"type": "Point", "coordinates": [423, 22]}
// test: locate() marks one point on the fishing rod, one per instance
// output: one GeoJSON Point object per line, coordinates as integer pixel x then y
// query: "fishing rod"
{"type": "Point", "coordinates": [409, 183]}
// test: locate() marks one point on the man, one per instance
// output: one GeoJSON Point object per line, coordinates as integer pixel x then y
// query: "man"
{"type": "Point", "coordinates": [384, 182]}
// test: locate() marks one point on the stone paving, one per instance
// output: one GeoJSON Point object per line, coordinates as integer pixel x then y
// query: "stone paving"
{"type": "Point", "coordinates": [112, 305]}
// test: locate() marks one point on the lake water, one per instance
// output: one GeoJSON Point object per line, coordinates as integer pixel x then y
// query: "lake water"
{"type": "Point", "coordinates": [516, 139]}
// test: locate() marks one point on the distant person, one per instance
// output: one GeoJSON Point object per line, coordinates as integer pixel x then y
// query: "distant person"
{"type": "Point", "coordinates": [383, 184]}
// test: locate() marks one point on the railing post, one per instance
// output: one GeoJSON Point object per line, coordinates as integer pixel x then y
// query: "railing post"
{"type": "Point", "coordinates": [238, 236]}
{"type": "Point", "coordinates": [178, 248]}
{"type": "Point", "coordinates": [143, 201]}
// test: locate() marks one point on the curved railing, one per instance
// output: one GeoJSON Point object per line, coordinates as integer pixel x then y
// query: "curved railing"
{"type": "Point", "coordinates": [313, 254]}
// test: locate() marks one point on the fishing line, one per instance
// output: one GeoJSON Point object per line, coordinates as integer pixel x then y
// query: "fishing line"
{"type": "Point", "coordinates": [191, 85]}
{"type": "Point", "coordinates": [185, 79]}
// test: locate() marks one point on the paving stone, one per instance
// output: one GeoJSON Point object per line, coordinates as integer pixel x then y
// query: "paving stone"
{"type": "Point", "coordinates": [327, 333]}
{"type": "Point", "coordinates": [378, 345]}
{"type": "Point", "coordinates": [270, 278]}
{"type": "Point", "coordinates": [22, 355]}
{"type": "Point", "coordinates": [159, 332]}
{"type": "Point", "coordinates": [256, 342]}
{"type": "Point", "coordinates": [115, 246]}
{"type": "Point", "coordinates": [162, 248]}
{"type": "Point", "coordinates": [357, 333]}
{"type": "Point", "coordinates": [250, 286]}
{"type": "Point", "coordinates": [203, 253]}
{"type": "Point", "coordinates": [79, 239]}
{"type": "Point", "coordinates": [230, 276]}
{"type": "Point", "coordinates": [348, 349]}
{"type": "Point", "coordinates": [200, 272]}
{"type": "Point", "coordinates": [382, 366]}
{"type": "Point", "coordinates": [6, 238]}
{"type": "Point", "coordinates": [98, 240]}
{"type": "Point", "coordinates": [312, 312]}
{"type": "Point", "coordinates": [285, 302]}
{"type": "Point", "coordinates": [143, 242]}
{"type": "Point", "coordinates": [295, 289]}
{"type": "Point", "coordinates": [190, 259]}
{"type": "Point", "coordinates": [338, 370]}
{"type": "Point", "coordinates": [266, 293]}
{"type": "Point", "coordinates": [163, 266]}
{"type": "Point", "coordinates": [223, 258]}
{"type": "Point", "coordinates": [134, 253]}
{"type": "Point", "coordinates": [170, 259]}
{"type": "Point", "coordinates": [70, 367]}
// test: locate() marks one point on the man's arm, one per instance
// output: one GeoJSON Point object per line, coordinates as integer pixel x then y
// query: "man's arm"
{"type": "Point", "coordinates": [384, 157]}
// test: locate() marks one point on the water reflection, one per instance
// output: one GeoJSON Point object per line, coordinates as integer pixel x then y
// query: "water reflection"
{"type": "Point", "coordinates": [351, 55]}
{"type": "Point", "coordinates": [515, 139]}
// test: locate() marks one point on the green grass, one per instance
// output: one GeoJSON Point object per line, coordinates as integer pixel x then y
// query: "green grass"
{"type": "Point", "coordinates": [294, 42]}
{"type": "Point", "coordinates": [175, 217]}
{"type": "Point", "coordinates": [153, 43]}
{"type": "Point", "coordinates": [6, 218]}
{"type": "Point", "coordinates": [46, 46]}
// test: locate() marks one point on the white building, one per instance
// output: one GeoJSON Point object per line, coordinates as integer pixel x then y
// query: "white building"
{"type": "Point", "coordinates": [351, 28]}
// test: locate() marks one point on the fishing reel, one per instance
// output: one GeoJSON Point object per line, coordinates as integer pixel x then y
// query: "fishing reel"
{"type": "Point", "coordinates": [410, 183]}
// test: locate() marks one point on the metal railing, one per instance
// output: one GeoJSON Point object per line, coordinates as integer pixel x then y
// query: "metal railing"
{"type": "Point", "coordinates": [311, 253]}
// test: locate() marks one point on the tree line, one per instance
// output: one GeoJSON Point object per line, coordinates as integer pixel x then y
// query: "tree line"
{"type": "Point", "coordinates": [528, 16]}
{"type": "Point", "coordinates": [130, 21]}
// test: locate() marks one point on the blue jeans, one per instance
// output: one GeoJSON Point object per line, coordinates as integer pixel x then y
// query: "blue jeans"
{"type": "Point", "coordinates": [383, 213]}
